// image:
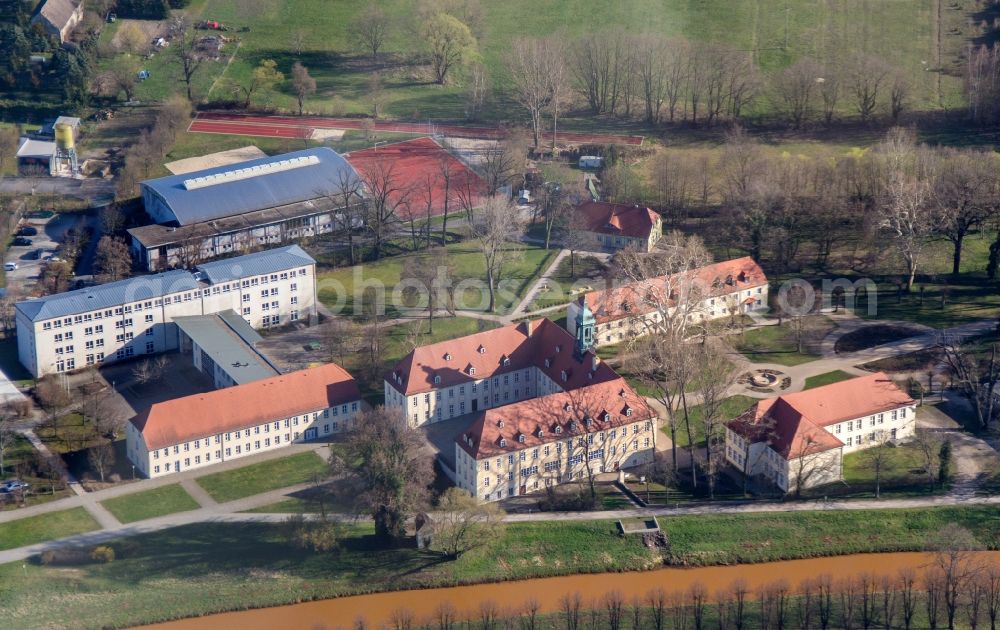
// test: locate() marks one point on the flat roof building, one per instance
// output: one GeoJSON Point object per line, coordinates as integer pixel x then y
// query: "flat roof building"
{"type": "Point", "coordinates": [118, 320]}
{"type": "Point", "coordinates": [224, 347]}
{"type": "Point", "coordinates": [237, 207]}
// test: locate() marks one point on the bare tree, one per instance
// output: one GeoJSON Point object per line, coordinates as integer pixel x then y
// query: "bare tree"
{"type": "Point", "coordinates": [907, 581]}
{"type": "Point", "coordinates": [976, 380]}
{"type": "Point", "coordinates": [188, 58]}
{"type": "Point", "coordinates": [965, 192]}
{"type": "Point", "coordinates": [101, 458]}
{"type": "Point", "coordinates": [712, 375]}
{"type": "Point", "coordinates": [432, 278]}
{"type": "Point", "coordinates": [867, 76]}
{"type": "Point", "coordinates": [899, 95]}
{"type": "Point", "coordinates": [830, 84]}
{"type": "Point", "coordinates": [7, 433]}
{"type": "Point", "coordinates": [904, 207]}
{"type": "Point", "coordinates": [303, 85]}
{"type": "Point", "coordinates": [297, 40]}
{"type": "Point", "coordinates": [386, 470]}
{"type": "Point", "coordinates": [385, 194]}
{"type": "Point", "coordinates": [531, 63]}
{"type": "Point", "coordinates": [463, 523]}
{"type": "Point", "coordinates": [990, 579]}
{"type": "Point", "coordinates": [877, 455]}
{"type": "Point", "coordinates": [496, 228]}
{"type": "Point", "coordinates": [340, 337]}
{"type": "Point", "coordinates": [794, 89]}
{"type": "Point", "coordinates": [955, 562]}
{"type": "Point", "coordinates": [371, 28]}
{"type": "Point", "coordinates": [113, 260]}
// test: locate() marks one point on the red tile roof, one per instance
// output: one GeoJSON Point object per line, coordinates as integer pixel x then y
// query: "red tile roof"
{"type": "Point", "coordinates": [413, 163]}
{"type": "Point", "coordinates": [554, 417]}
{"type": "Point", "coordinates": [242, 406]}
{"type": "Point", "coordinates": [795, 423]}
{"type": "Point", "coordinates": [639, 298]}
{"type": "Point", "coordinates": [487, 352]}
{"type": "Point", "coordinates": [617, 219]}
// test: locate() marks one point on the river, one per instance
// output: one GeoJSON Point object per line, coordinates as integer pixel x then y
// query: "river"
{"type": "Point", "coordinates": [378, 608]}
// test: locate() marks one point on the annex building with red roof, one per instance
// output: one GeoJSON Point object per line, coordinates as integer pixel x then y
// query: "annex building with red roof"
{"type": "Point", "coordinates": [542, 408]}
{"type": "Point", "coordinates": [635, 309]}
{"type": "Point", "coordinates": [224, 424]}
{"type": "Point", "coordinates": [610, 227]}
{"type": "Point", "coordinates": [799, 440]}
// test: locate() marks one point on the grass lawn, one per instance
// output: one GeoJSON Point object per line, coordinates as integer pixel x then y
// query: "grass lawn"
{"type": "Point", "coordinates": [564, 285]}
{"type": "Point", "coordinates": [257, 478]}
{"type": "Point", "coordinates": [874, 335]}
{"type": "Point", "coordinates": [70, 433]}
{"type": "Point", "coordinates": [308, 501]}
{"type": "Point", "coordinates": [212, 567]}
{"type": "Point", "coordinates": [902, 475]}
{"type": "Point", "coordinates": [337, 288]}
{"type": "Point", "coordinates": [827, 378]}
{"type": "Point", "coordinates": [150, 504]}
{"type": "Point", "coordinates": [777, 344]}
{"type": "Point", "coordinates": [779, 35]}
{"type": "Point", "coordinates": [731, 407]}
{"type": "Point", "coordinates": [965, 300]}
{"type": "Point", "coordinates": [42, 490]}
{"type": "Point", "coordinates": [35, 529]}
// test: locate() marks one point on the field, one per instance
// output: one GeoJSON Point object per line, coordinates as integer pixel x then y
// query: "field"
{"type": "Point", "coordinates": [150, 504]}
{"type": "Point", "coordinates": [35, 529]}
{"type": "Point", "coordinates": [257, 478]}
{"type": "Point", "coordinates": [778, 344]}
{"type": "Point", "coordinates": [338, 288]}
{"type": "Point", "coordinates": [212, 567]}
{"type": "Point", "coordinates": [906, 35]}
{"type": "Point", "coordinates": [730, 408]}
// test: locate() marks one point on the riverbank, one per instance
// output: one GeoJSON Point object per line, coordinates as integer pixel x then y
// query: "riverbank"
{"type": "Point", "coordinates": [634, 599]}
{"type": "Point", "coordinates": [208, 568]}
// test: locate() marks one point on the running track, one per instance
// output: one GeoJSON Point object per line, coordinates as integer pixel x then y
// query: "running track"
{"type": "Point", "coordinates": [302, 127]}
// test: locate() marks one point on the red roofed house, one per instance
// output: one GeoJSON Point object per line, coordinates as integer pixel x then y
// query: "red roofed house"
{"type": "Point", "coordinates": [614, 226]}
{"type": "Point", "coordinates": [548, 410]}
{"type": "Point", "coordinates": [217, 426]}
{"type": "Point", "coordinates": [632, 310]}
{"type": "Point", "coordinates": [800, 439]}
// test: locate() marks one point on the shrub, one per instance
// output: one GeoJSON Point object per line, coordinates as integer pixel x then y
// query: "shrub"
{"type": "Point", "coordinates": [103, 554]}
{"type": "Point", "coordinates": [65, 557]}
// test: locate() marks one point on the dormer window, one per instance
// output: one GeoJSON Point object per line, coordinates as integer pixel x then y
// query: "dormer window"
{"type": "Point", "coordinates": [558, 430]}
{"type": "Point", "coordinates": [500, 424]}
{"type": "Point", "coordinates": [622, 393]}
{"type": "Point", "coordinates": [506, 361]}
{"type": "Point", "coordinates": [447, 356]}
{"type": "Point", "coordinates": [472, 371]}
{"type": "Point", "coordinates": [605, 416]}
{"type": "Point", "coordinates": [567, 407]}
{"type": "Point", "coordinates": [503, 442]}
{"type": "Point", "coordinates": [563, 375]}
{"type": "Point", "coordinates": [482, 349]}
{"type": "Point", "coordinates": [437, 379]}
{"type": "Point", "coordinates": [628, 411]}
{"type": "Point", "coordinates": [558, 349]}
{"type": "Point", "coordinates": [588, 421]}
{"type": "Point", "coordinates": [548, 362]}
{"type": "Point", "coordinates": [572, 425]}
{"type": "Point", "coordinates": [520, 437]}
{"type": "Point", "coordinates": [541, 433]}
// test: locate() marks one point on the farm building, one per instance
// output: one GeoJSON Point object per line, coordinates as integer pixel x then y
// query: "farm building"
{"type": "Point", "coordinates": [239, 207]}
{"type": "Point", "coordinates": [59, 17]}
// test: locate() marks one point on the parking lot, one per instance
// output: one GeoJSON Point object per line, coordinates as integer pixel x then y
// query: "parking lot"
{"type": "Point", "coordinates": [29, 258]}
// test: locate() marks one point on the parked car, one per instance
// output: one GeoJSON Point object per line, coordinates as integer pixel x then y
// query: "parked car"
{"type": "Point", "coordinates": [10, 266]}
{"type": "Point", "coordinates": [523, 198]}
{"type": "Point", "coordinates": [20, 240]}
{"type": "Point", "coordinates": [14, 485]}
{"type": "Point", "coordinates": [27, 230]}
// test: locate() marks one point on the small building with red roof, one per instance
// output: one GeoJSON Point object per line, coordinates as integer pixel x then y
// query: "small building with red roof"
{"type": "Point", "coordinates": [205, 429]}
{"type": "Point", "coordinates": [799, 440]}
{"type": "Point", "coordinates": [626, 311]}
{"type": "Point", "coordinates": [614, 226]}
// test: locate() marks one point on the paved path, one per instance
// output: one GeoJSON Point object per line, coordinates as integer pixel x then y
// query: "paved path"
{"type": "Point", "coordinates": [149, 484]}
{"type": "Point", "coordinates": [531, 293]}
{"type": "Point", "coordinates": [198, 493]}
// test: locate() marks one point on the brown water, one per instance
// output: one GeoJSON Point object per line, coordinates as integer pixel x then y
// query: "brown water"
{"type": "Point", "coordinates": [378, 608]}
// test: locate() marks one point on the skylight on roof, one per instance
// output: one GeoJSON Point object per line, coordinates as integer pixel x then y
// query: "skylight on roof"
{"type": "Point", "coordinates": [251, 171]}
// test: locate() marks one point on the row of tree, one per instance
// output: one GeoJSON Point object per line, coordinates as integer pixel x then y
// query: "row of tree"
{"type": "Point", "coordinates": [957, 589]}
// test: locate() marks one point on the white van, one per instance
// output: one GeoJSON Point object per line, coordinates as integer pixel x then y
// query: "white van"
{"type": "Point", "coordinates": [10, 266]}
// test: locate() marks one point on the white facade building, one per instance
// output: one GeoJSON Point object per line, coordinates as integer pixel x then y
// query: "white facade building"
{"type": "Point", "coordinates": [801, 438]}
{"type": "Point", "coordinates": [133, 317]}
